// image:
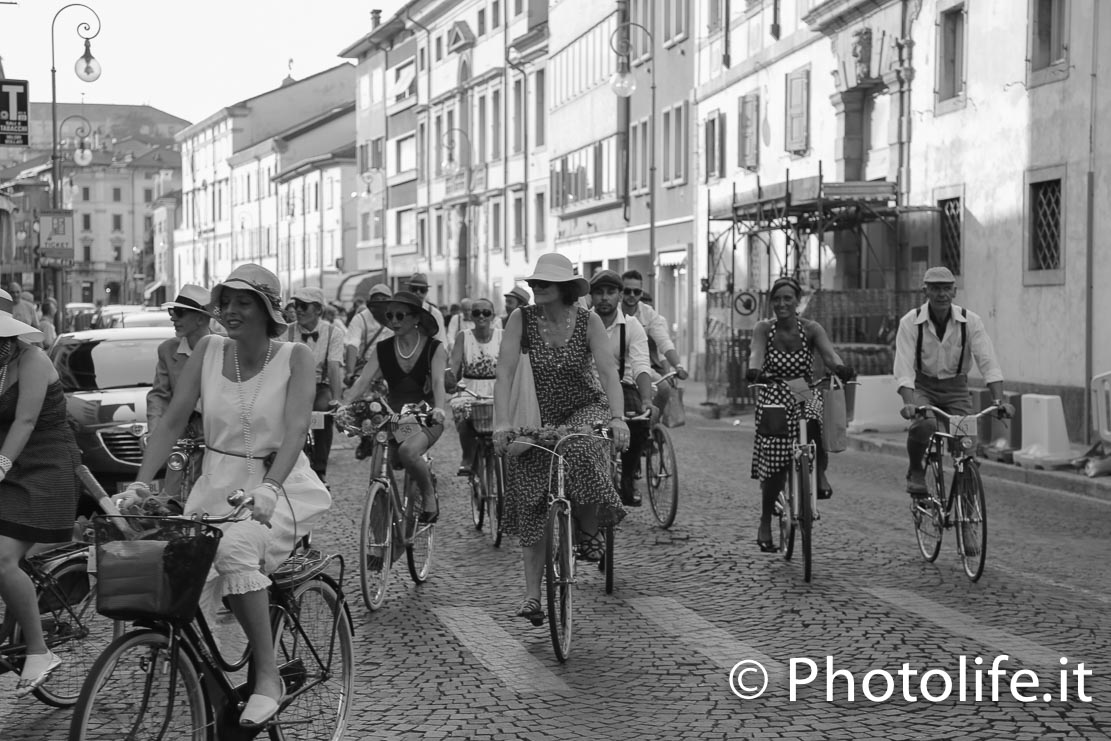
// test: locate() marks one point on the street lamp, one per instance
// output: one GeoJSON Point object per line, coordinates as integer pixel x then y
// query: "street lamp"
{"type": "Point", "coordinates": [451, 168]}
{"type": "Point", "coordinates": [87, 69]}
{"type": "Point", "coordinates": [623, 83]}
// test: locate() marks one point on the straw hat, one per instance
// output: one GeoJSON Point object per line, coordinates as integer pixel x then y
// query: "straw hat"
{"type": "Point", "coordinates": [12, 327]}
{"type": "Point", "coordinates": [259, 280]}
{"type": "Point", "coordinates": [415, 303]}
{"type": "Point", "coordinates": [556, 268]}
{"type": "Point", "coordinates": [191, 297]}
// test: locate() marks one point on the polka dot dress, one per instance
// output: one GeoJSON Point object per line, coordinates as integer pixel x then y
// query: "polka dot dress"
{"type": "Point", "coordinates": [773, 454]}
{"type": "Point", "coordinates": [568, 395]}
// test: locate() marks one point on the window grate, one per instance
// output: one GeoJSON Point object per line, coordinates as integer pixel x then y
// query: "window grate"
{"type": "Point", "coordinates": [1045, 250]}
{"type": "Point", "coordinates": [951, 234]}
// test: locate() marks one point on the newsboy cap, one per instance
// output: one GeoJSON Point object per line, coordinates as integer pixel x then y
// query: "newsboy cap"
{"type": "Point", "coordinates": [939, 275]}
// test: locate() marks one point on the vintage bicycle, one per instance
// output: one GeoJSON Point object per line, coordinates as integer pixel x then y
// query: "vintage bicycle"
{"type": "Point", "coordinates": [660, 464]}
{"type": "Point", "coordinates": [66, 592]}
{"type": "Point", "coordinates": [167, 679]}
{"type": "Point", "coordinates": [390, 522]}
{"type": "Point", "coordinates": [487, 476]}
{"type": "Point", "coordinates": [961, 506]}
{"type": "Point", "coordinates": [183, 467]}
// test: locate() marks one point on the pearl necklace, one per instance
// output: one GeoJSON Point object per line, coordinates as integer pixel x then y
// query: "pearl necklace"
{"type": "Point", "coordinates": [246, 409]}
{"type": "Point", "coordinates": [411, 352]}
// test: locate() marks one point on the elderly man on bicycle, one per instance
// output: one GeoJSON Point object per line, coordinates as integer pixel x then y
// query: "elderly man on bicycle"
{"type": "Point", "coordinates": [934, 347]}
{"type": "Point", "coordinates": [630, 348]}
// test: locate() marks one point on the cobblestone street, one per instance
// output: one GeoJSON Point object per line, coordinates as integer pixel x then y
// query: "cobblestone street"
{"type": "Point", "coordinates": [448, 660]}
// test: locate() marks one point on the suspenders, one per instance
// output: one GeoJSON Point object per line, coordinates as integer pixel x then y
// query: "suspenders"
{"type": "Point", "coordinates": [918, 351]}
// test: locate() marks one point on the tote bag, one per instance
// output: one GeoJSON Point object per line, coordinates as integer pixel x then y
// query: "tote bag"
{"type": "Point", "coordinates": [834, 417]}
{"type": "Point", "coordinates": [674, 414]}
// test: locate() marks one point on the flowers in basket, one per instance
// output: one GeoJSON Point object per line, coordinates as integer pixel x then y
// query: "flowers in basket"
{"type": "Point", "coordinates": [361, 414]}
{"type": "Point", "coordinates": [526, 437]}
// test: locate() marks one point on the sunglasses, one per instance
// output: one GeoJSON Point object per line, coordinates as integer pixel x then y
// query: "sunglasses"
{"type": "Point", "coordinates": [476, 313]}
{"type": "Point", "coordinates": [541, 284]}
{"type": "Point", "coordinates": [301, 305]}
{"type": "Point", "coordinates": [419, 289]}
{"type": "Point", "coordinates": [399, 316]}
{"type": "Point", "coordinates": [633, 291]}
{"type": "Point", "coordinates": [177, 313]}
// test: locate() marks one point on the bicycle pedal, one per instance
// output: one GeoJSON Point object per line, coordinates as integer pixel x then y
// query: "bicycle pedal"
{"type": "Point", "coordinates": [537, 620]}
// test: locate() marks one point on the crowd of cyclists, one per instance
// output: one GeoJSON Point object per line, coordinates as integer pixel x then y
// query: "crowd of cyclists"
{"type": "Point", "coordinates": [596, 347]}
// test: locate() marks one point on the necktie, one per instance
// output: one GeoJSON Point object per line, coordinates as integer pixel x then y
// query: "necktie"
{"type": "Point", "coordinates": [306, 336]}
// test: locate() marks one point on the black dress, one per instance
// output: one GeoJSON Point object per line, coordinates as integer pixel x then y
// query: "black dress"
{"type": "Point", "coordinates": [38, 497]}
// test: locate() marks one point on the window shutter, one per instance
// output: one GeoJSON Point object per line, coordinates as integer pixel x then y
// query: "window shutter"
{"type": "Point", "coordinates": [798, 104]}
{"type": "Point", "coordinates": [708, 136]}
{"type": "Point", "coordinates": [748, 154]}
{"type": "Point", "coordinates": [714, 15]}
{"type": "Point", "coordinates": [721, 145]}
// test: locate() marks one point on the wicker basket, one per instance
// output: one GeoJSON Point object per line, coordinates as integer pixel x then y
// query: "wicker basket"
{"type": "Point", "coordinates": [482, 416]}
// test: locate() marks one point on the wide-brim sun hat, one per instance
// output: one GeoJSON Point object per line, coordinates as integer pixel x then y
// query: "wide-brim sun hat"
{"type": "Point", "coordinates": [556, 268]}
{"type": "Point", "coordinates": [412, 302]}
{"type": "Point", "coordinates": [12, 327]}
{"type": "Point", "coordinates": [259, 280]}
{"type": "Point", "coordinates": [193, 298]}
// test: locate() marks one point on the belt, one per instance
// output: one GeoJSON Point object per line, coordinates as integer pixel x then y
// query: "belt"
{"type": "Point", "coordinates": [266, 458]}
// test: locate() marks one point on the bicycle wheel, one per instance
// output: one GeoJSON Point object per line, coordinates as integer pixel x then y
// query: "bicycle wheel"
{"type": "Point", "coordinates": [375, 546]}
{"type": "Point", "coordinates": [421, 535]}
{"type": "Point", "coordinates": [662, 473]}
{"type": "Point", "coordinates": [927, 511]}
{"type": "Point", "coordinates": [495, 497]}
{"type": "Point", "coordinates": [479, 490]}
{"type": "Point", "coordinates": [127, 694]}
{"type": "Point", "coordinates": [559, 575]}
{"type": "Point", "coordinates": [73, 630]}
{"type": "Point", "coordinates": [607, 559]}
{"type": "Point", "coordinates": [806, 517]}
{"type": "Point", "coordinates": [317, 662]}
{"type": "Point", "coordinates": [972, 520]}
{"type": "Point", "coordinates": [788, 497]}
{"type": "Point", "coordinates": [786, 526]}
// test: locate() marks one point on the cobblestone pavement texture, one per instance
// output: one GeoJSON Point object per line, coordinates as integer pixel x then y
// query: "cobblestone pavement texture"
{"type": "Point", "coordinates": [447, 660]}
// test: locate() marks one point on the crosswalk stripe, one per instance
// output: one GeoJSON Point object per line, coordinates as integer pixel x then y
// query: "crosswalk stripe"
{"type": "Point", "coordinates": [500, 652]}
{"type": "Point", "coordinates": [695, 632]}
{"type": "Point", "coordinates": [1005, 642]}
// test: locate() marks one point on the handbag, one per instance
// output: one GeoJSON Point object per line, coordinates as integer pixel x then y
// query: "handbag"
{"type": "Point", "coordinates": [834, 417]}
{"type": "Point", "coordinates": [674, 414]}
{"type": "Point", "coordinates": [773, 421]}
{"type": "Point", "coordinates": [524, 408]}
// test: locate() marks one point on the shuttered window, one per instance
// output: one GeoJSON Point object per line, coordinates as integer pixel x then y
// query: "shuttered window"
{"type": "Point", "coordinates": [748, 132]}
{"type": "Point", "coordinates": [798, 111]}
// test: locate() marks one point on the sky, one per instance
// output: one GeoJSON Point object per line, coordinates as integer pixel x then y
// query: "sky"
{"type": "Point", "coordinates": [188, 59]}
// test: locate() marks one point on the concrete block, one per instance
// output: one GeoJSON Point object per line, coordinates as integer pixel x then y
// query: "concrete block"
{"type": "Point", "coordinates": [981, 398]}
{"type": "Point", "coordinates": [875, 406]}
{"type": "Point", "coordinates": [1045, 439]}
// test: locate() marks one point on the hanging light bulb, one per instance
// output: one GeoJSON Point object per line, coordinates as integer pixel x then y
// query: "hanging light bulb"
{"type": "Point", "coordinates": [623, 82]}
{"type": "Point", "coordinates": [87, 68]}
{"type": "Point", "coordinates": [82, 155]}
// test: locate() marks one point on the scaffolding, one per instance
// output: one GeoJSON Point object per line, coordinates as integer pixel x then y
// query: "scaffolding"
{"type": "Point", "coordinates": [861, 313]}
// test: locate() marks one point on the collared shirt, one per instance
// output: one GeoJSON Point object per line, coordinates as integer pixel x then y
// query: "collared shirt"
{"type": "Point", "coordinates": [441, 333]}
{"type": "Point", "coordinates": [172, 356]}
{"type": "Point", "coordinates": [941, 357]}
{"type": "Point", "coordinates": [363, 334]}
{"type": "Point", "coordinates": [326, 348]}
{"type": "Point", "coordinates": [655, 326]}
{"type": "Point", "coordinates": [636, 347]}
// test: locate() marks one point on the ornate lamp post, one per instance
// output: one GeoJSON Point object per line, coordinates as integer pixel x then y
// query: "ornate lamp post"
{"type": "Point", "coordinates": [88, 70]}
{"type": "Point", "coordinates": [451, 168]}
{"type": "Point", "coordinates": [624, 84]}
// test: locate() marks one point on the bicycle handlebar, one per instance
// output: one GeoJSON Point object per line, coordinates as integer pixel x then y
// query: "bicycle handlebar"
{"type": "Point", "coordinates": [921, 411]}
{"type": "Point", "coordinates": [826, 378]}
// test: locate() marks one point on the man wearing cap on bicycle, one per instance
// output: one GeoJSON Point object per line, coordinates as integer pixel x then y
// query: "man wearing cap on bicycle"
{"type": "Point", "coordinates": [934, 347]}
{"type": "Point", "coordinates": [326, 342]}
{"type": "Point", "coordinates": [655, 326]}
{"type": "Point", "coordinates": [630, 348]}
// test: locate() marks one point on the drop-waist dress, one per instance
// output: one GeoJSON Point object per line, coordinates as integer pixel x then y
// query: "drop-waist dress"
{"type": "Point", "coordinates": [38, 497]}
{"type": "Point", "coordinates": [568, 396]}
{"type": "Point", "coordinates": [225, 465]}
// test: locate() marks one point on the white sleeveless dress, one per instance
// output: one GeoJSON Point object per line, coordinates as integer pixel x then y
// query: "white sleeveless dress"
{"type": "Point", "coordinates": [306, 496]}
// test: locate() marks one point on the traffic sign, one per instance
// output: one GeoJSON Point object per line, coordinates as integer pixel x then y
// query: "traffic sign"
{"type": "Point", "coordinates": [57, 237]}
{"type": "Point", "coordinates": [745, 303]}
{"type": "Point", "coordinates": [15, 122]}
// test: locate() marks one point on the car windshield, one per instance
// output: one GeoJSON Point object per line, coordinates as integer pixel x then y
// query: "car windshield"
{"type": "Point", "coordinates": [94, 365]}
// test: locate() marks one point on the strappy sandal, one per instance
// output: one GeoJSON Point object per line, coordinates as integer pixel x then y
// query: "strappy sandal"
{"type": "Point", "coordinates": [530, 609]}
{"type": "Point", "coordinates": [591, 548]}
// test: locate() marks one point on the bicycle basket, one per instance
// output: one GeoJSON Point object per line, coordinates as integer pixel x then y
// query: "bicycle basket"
{"type": "Point", "coordinates": [482, 416]}
{"type": "Point", "coordinates": [159, 575]}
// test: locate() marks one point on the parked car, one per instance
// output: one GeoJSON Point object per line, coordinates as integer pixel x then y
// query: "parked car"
{"type": "Point", "coordinates": [147, 318]}
{"type": "Point", "coordinates": [106, 374]}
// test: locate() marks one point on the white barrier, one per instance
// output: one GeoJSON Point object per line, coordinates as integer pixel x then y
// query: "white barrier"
{"type": "Point", "coordinates": [1045, 438]}
{"type": "Point", "coordinates": [876, 406]}
{"type": "Point", "coordinates": [1101, 404]}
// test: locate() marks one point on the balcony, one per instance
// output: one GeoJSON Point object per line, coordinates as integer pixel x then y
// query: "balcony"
{"type": "Point", "coordinates": [457, 182]}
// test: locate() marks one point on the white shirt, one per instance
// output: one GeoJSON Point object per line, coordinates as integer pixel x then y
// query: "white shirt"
{"type": "Point", "coordinates": [941, 357]}
{"type": "Point", "coordinates": [441, 333]}
{"type": "Point", "coordinates": [327, 348]}
{"type": "Point", "coordinates": [636, 347]}
{"type": "Point", "coordinates": [364, 334]}
{"type": "Point", "coordinates": [655, 326]}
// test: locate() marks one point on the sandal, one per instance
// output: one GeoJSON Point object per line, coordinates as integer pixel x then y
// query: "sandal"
{"type": "Point", "coordinates": [767, 545]}
{"type": "Point", "coordinates": [591, 548]}
{"type": "Point", "coordinates": [37, 668]}
{"type": "Point", "coordinates": [530, 609]}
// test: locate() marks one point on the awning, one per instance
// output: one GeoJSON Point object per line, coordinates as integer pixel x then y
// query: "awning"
{"type": "Point", "coordinates": [405, 77]}
{"type": "Point", "coordinates": [152, 287]}
{"type": "Point", "coordinates": [672, 259]}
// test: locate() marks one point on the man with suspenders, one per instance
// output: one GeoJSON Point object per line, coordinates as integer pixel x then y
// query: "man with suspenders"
{"type": "Point", "coordinates": [630, 347]}
{"type": "Point", "coordinates": [934, 348]}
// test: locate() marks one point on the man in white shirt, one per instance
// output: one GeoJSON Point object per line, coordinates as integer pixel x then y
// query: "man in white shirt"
{"type": "Point", "coordinates": [630, 348]}
{"type": "Point", "coordinates": [934, 348]}
{"type": "Point", "coordinates": [363, 334]}
{"type": "Point", "coordinates": [459, 323]}
{"type": "Point", "coordinates": [654, 325]}
{"type": "Point", "coordinates": [326, 343]}
{"type": "Point", "coordinates": [418, 284]}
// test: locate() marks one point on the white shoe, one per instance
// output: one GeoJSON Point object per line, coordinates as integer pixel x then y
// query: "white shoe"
{"type": "Point", "coordinates": [259, 709]}
{"type": "Point", "coordinates": [36, 670]}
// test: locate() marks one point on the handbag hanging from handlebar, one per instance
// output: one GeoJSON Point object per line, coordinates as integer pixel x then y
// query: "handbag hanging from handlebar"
{"type": "Point", "coordinates": [835, 437]}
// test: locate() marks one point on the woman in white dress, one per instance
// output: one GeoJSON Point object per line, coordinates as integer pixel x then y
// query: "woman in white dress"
{"type": "Point", "coordinates": [256, 401]}
{"type": "Point", "coordinates": [474, 360]}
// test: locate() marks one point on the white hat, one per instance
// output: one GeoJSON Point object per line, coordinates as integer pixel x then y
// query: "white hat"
{"type": "Point", "coordinates": [191, 297]}
{"type": "Point", "coordinates": [12, 327]}
{"type": "Point", "coordinates": [556, 268]}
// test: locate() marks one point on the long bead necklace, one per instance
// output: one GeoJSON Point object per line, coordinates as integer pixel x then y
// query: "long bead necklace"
{"type": "Point", "coordinates": [246, 409]}
{"type": "Point", "coordinates": [549, 327]}
{"type": "Point", "coordinates": [411, 352]}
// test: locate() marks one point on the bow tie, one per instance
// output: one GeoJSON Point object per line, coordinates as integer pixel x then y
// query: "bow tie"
{"type": "Point", "coordinates": [306, 336]}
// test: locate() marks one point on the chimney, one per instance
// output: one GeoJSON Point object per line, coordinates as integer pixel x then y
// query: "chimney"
{"type": "Point", "coordinates": [375, 18]}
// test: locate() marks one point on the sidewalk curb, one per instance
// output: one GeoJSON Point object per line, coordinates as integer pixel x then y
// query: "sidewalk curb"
{"type": "Point", "coordinates": [1045, 479]}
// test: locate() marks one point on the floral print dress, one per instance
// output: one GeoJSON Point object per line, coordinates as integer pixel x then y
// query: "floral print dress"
{"type": "Point", "coordinates": [569, 396]}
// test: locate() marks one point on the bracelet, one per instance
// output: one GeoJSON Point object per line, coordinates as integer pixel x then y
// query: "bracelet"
{"type": "Point", "coordinates": [274, 486]}
{"type": "Point", "coordinates": [6, 464]}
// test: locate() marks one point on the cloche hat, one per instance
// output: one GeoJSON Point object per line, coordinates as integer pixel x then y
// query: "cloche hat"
{"type": "Point", "coordinates": [259, 280]}
{"type": "Point", "coordinates": [416, 306]}
{"type": "Point", "coordinates": [12, 327]}
{"type": "Point", "coordinates": [556, 268]}
{"type": "Point", "coordinates": [191, 297]}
